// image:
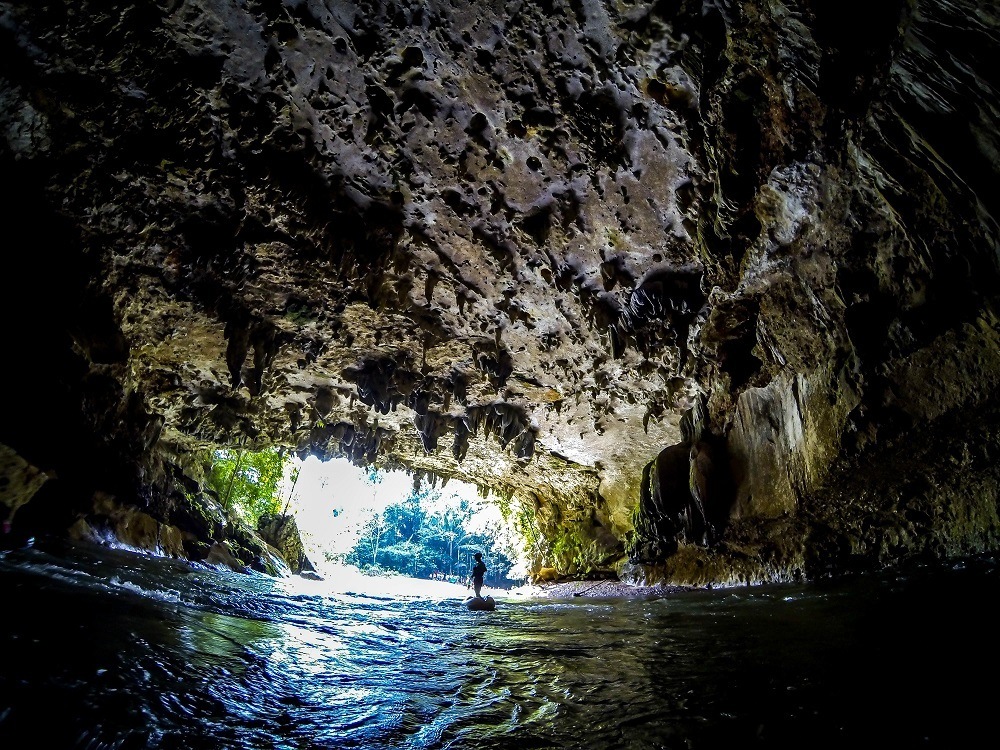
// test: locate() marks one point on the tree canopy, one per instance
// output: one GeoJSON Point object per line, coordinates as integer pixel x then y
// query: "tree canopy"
{"type": "Point", "coordinates": [424, 535]}
{"type": "Point", "coordinates": [248, 483]}
{"type": "Point", "coordinates": [424, 538]}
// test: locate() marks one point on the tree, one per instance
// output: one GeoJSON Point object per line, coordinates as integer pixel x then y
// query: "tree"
{"type": "Point", "coordinates": [428, 534]}
{"type": "Point", "coordinates": [411, 558]}
{"type": "Point", "coordinates": [447, 533]}
{"type": "Point", "coordinates": [291, 492]}
{"type": "Point", "coordinates": [371, 535]}
{"type": "Point", "coordinates": [404, 520]}
{"type": "Point", "coordinates": [248, 482]}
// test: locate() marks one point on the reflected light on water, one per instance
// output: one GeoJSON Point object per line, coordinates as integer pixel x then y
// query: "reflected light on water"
{"type": "Point", "coordinates": [142, 653]}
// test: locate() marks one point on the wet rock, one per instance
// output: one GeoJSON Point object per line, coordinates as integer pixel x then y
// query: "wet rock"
{"type": "Point", "coordinates": [430, 426]}
{"type": "Point", "coordinates": [221, 556]}
{"type": "Point", "coordinates": [282, 533]}
{"type": "Point", "coordinates": [463, 432]}
{"type": "Point", "coordinates": [361, 443]}
{"type": "Point", "coordinates": [19, 481]}
{"type": "Point", "coordinates": [686, 493]}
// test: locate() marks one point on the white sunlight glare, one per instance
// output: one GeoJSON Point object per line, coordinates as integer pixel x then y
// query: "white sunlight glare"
{"type": "Point", "coordinates": [333, 499]}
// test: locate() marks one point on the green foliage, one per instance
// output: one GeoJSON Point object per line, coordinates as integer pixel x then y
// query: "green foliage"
{"type": "Point", "coordinates": [527, 526]}
{"type": "Point", "coordinates": [405, 518]}
{"type": "Point", "coordinates": [248, 482]}
{"type": "Point", "coordinates": [410, 557]}
{"type": "Point", "coordinates": [640, 528]}
{"type": "Point", "coordinates": [294, 477]}
{"type": "Point", "coordinates": [417, 537]}
{"type": "Point", "coordinates": [575, 554]}
{"type": "Point", "coordinates": [506, 505]}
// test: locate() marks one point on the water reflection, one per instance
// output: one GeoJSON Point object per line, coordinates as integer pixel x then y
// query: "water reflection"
{"type": "Point", "coordinates": [221, 640]}
{"type": "Point", "coordinates": [136, 653]}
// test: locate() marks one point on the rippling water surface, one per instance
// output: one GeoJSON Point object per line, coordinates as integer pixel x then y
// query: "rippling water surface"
{"type": "Point", "coordinates": [102, 649]}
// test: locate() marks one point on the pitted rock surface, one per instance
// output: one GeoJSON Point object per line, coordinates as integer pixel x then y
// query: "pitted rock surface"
{"type": "Point", "coordinates": [515, 243]}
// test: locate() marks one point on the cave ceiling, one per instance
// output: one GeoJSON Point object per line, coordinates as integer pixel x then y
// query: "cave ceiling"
{"type": "Point", "coordinates": [511, 243]}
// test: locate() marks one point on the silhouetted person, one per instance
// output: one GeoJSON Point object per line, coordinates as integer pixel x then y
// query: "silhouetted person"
{"type": "Point", "coordinates": [477, 574]}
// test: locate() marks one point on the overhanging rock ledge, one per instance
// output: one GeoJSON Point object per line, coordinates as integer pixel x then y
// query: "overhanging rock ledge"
{"type": "Point", "coordinates": [707, 292]}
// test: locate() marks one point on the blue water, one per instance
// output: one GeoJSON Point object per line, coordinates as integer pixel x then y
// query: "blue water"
{"type": "Point", "coordinates": [105, 649]}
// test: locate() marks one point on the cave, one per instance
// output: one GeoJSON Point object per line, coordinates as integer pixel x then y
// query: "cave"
{"type": "Point", "coordinates": [368, 232]}
{"type": "Point", "coordinates": [708, 290]}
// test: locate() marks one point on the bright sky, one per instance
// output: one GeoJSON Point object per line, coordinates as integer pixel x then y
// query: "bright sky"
{"type": "Point", "coordinates": [332, 499]}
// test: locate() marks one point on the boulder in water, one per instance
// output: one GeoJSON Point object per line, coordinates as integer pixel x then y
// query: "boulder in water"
{"type": "Point", "coordinates": [481, 604]}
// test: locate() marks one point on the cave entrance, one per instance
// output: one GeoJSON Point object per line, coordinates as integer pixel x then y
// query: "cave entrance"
{"type": "Point", "coordinates": [377, 530]}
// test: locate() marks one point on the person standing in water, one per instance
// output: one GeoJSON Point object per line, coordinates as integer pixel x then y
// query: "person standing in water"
{"type": "Point", "coordinates": [477, 574]}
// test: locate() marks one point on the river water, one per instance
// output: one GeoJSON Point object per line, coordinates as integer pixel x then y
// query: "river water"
{"type": "Point", "coordinates": [106, 649]}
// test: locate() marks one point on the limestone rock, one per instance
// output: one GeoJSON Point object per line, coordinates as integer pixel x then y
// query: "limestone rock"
{"type": "Point", "coordinates": [515, 244]}
{"type": "Point", "coordinates": [221, 556]}
{"type": "Point", "coordinates": [19, 481]}
{"type": "Point", "coordinates": [282, 533]}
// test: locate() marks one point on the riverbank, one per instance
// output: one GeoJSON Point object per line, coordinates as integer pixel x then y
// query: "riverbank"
{"type": "Point", "coordinates": [348, 579]}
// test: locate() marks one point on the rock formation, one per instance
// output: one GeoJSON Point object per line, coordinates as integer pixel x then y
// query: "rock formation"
{"type": "Point", "coordinates": [282, 533]}
{"type": "Point", "coordinates": [518, 244]}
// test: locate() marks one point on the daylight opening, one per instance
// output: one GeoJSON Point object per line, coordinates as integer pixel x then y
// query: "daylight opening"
{"type": "Point", "coordinates": [374, 530]}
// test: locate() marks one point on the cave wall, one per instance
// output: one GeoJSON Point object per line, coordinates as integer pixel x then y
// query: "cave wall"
{"type": "Point", "coordinates": [516, 243]}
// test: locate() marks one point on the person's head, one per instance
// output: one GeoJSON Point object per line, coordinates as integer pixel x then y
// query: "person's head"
{"type": "Point", "coordinates": [478, 556]}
